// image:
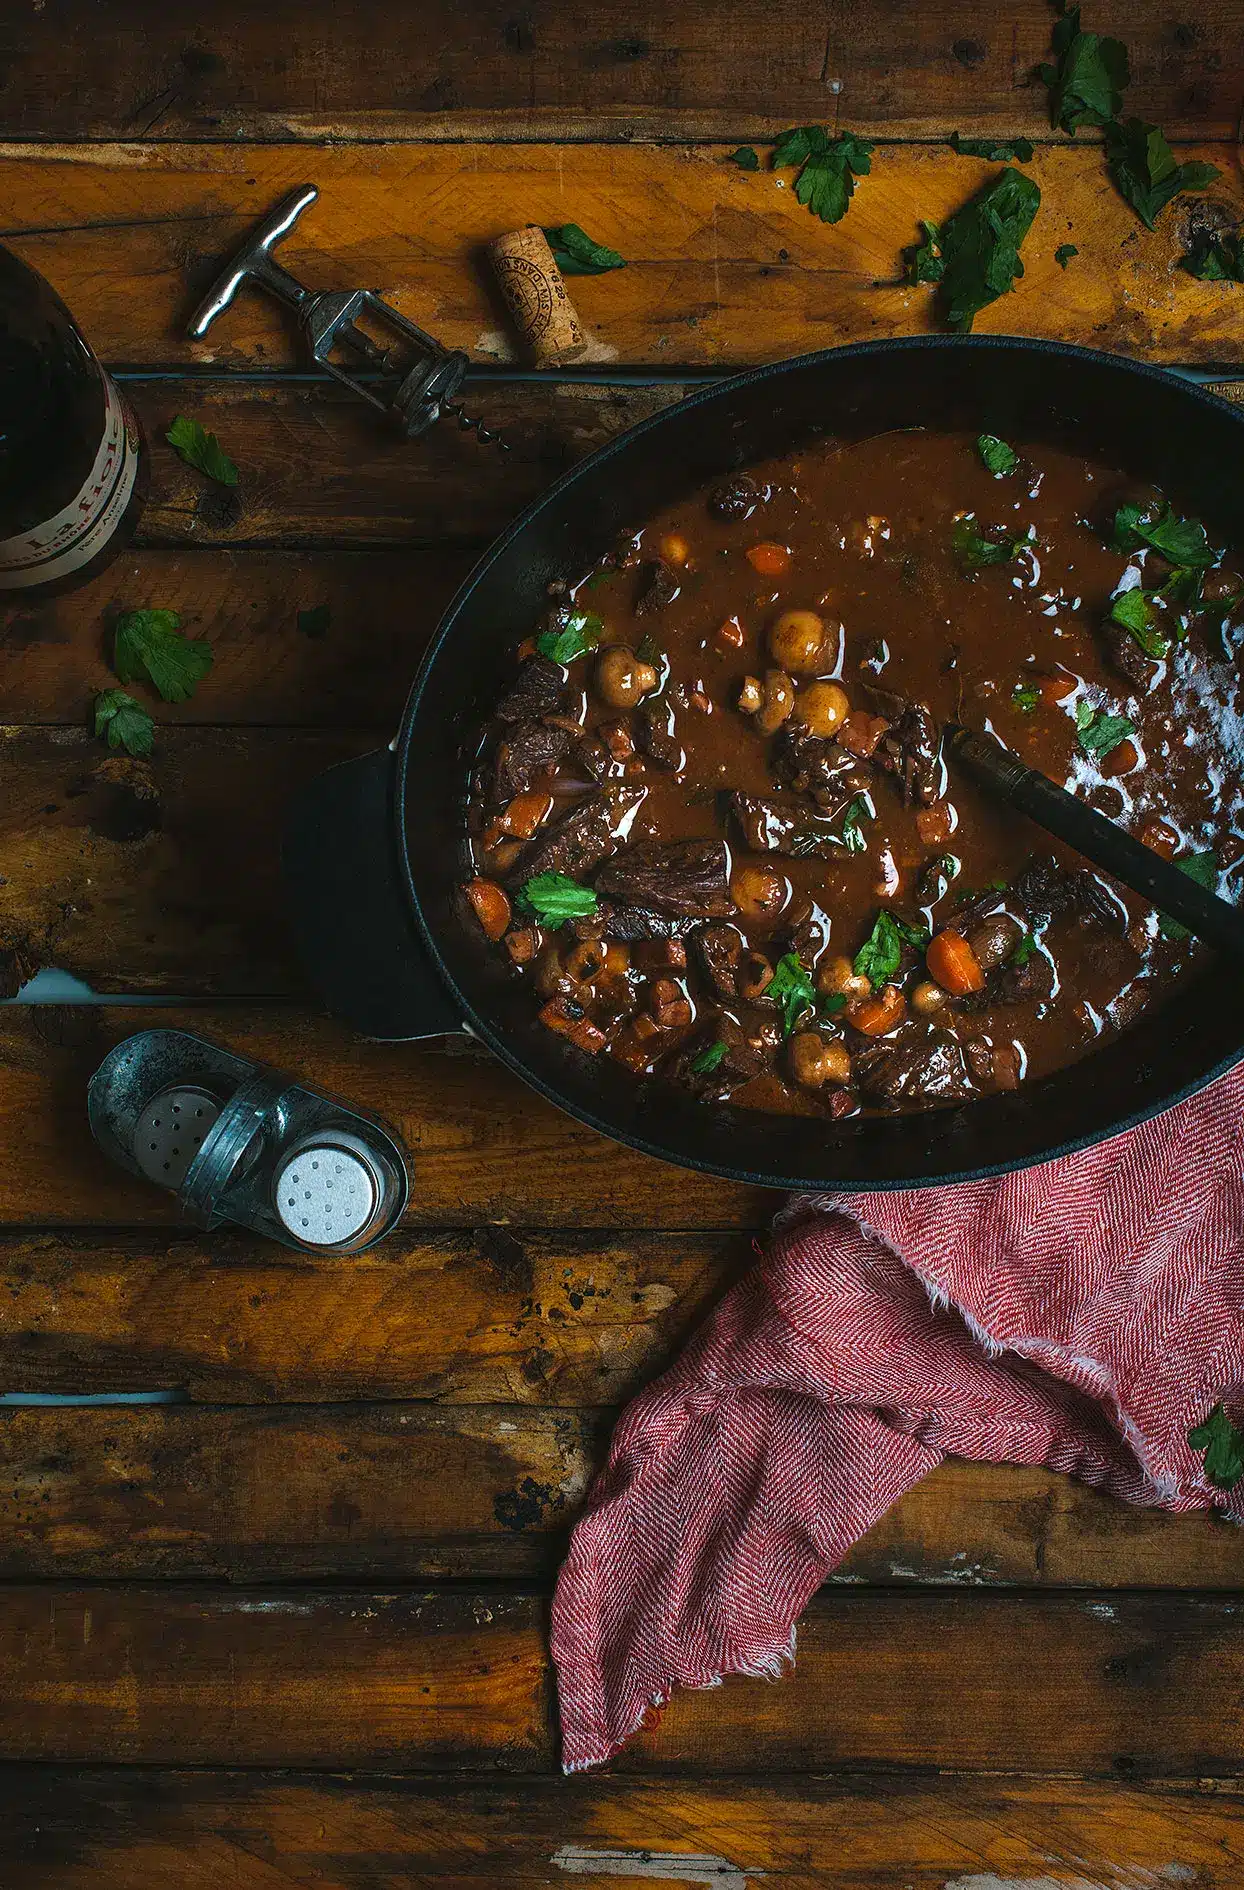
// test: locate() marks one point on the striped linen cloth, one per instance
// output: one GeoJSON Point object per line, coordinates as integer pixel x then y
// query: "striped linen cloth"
{"type": "Point", "coordinates": [1083, 1315]}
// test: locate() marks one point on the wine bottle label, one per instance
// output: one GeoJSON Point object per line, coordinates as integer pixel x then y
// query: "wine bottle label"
{"type": "Point", "coordinates": [63, 544]}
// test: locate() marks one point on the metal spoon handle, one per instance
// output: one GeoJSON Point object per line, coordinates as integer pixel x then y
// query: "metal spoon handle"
{"type": "Point", "coordinates": [1098, 839]}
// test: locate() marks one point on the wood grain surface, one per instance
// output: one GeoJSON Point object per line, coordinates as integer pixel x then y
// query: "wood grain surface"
{"type": "Point", "coordinates": [723, 267]}
{"type": "Point", "coordinates": [627, 68]}
{"type": "Point", "coordinates": [401, 1491]}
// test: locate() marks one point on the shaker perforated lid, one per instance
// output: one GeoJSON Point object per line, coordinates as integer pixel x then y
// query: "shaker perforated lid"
{"type": "Point", "coordinates": [169, 1132]}
{"type": "Point", "coordinates": [325, 1192]}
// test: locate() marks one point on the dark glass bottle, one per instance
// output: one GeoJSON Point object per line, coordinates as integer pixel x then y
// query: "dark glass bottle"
{"type": "Point", "coordinates": [73, 462]}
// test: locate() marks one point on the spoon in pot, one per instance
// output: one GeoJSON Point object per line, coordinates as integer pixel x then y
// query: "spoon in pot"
{"type": "Point", "coordinates": [1099, 839]}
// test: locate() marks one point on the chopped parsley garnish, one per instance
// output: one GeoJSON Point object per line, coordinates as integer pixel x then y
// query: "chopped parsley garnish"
{"type": "Point", "coordinates": [1143, 167]}
{"type": "Point", "coordinates": [792, 987]}
{"type": "Point", "coordinates": [994, 150]}
{"type": "Point", "coordinates": [1089, 79]}
{"type": "Point", "coordinates": [1024, 950]}
{"type": "Point", "coordinates": [124, 722]}
{"type": "Point", "coordinates": [831, 1005]}
{"type": "Point", "coordinates": [853, 836]}
{"type": "Point", "coordinates": [554, 898]}
{"type": "Point", "coordinates": [202, 450]}
{"type": "Point", "coordinates": [710, 1059]}
{"type": "Point", "coordinates": [148, 646]}
{"type": "Point", "coordinates": [1223, 1445]}
{"type": "Point", "coordinates": [881, 954]}
{"type": "Point", "coordinates": [1099, 731]}
{"type": "Point", "coordinates": [1000, 459]}
{"type": "Point", "coordinates": [1064, 253]}
{"type": "Point", "coordinates": [580, 632]}
{"type": "Point", "coordinates": [980, 247]}
{"type": "Point", "coordinates": [924, 260]}
{"type": "Point", "coordinates": [828, 167]}
{"type": "Point", "coordinates": [315, 621]}
{"type": "Point", "coordinates": [744, 157]}
{"type": "Point", "coordinates": [1182, 540]}
{"type": "Point", "coordinates": [1025, 697]}
{"type": "Point", "coordinates": [974, 551]}
{"type": "Point", "coordinates": [1134, 610]}
{"type": "Point", "coordinates": [1216, 257]}
{"type": "Point", "coordinates": [1203, 869]}
{"type": "Point", "coordinates": [576, 254]}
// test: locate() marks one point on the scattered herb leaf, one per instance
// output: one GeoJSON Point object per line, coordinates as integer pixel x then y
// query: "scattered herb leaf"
{"type": "Point", "coordinates": [744, 157]}
{"type": "Point", "coordinates": [1143, 167]}
{"type": "Point", "coordinates": [1182, 540]}
{"type": "Point", "coordinates": [1099, 731]}
{"type": "Point", "coordinates": [1064, 253]}
{"type": "Point", "coordinates": [881, 954]}
{"type": "Point", "coordinates": [554, 898]}
{"type": "Point", "coordinates": [924, 260]}
{"type": "Point", "coordinates": [1025, 697]}
{"type": "Point", "coordinates": [974, 551]}
{"type": "Point", "coordinates": [1090, 77]}
{"type": "Point", "coordinates": [980, 247]}
{"type": "Point", "coordinates": [828, 167]}
{"type": "Point", "coordinates": [202, 450]}
{"type": "Point", "coordinates": [124, 722]}
{"type": "Point", "coordinates": [648, 650]}
{"type": "Point", "coordinates": [853, 836]}
{"type": "Point", "coordinates": [999, 458]}
{"type": "Point", "coordinates": [315, 621]}
{"type": "Point", "coordinates": [793, 988]}
{"type": "Point", "coordinates": [1223, 1446]}
{"type": "Point", "coordinates": [710, 1059]}
{"type": "Point", "coordinates": [576, 254]}
{"type": "Point", "coordinates": [580, 633]}
{"type": "Point", "coordinates": [1024, 950]}
{"type": "Point", "coordinates": [835, 1002]}
{"type": "Point", "coordinates": [148, 646]}
{"type": "Point", "coordinates": [994, 150]}
{"type": "Point", "coordinates": [1134, 610]}
{"type": "Point", "coordinates": [1216, 257]}
{"type": "Point", "coordinates": [1201, 867]}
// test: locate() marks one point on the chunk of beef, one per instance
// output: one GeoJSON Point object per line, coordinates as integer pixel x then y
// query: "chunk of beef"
{"type": "Point", "coordinates": [1028, 983]}
{"type": "Point", "coordinates": [735, 498]}
{"type": "Point", "coordinates": [577, 843]}
{"type": "Point", "coordinates": [911, 748]}
{"type": "Point", "coordinates": [1126, 655]}
{"type": "Point", "coordinates": [720, 951]}
{"type": "Point", "coordinates": [658, 587]}
{"type": "Point", "coordinates": [752, 1042]}
{"type": "Point", "coordinates": [654, 734]}
{"type": "Point", "coordinates": [537, 690]}
{"type": "Point", "coordinates": [528, 749]}
{"type": "Point", "coordinates": [679, 876]}
{"type": "Point", "coordinates": [1044, 889]}
{"type": "Point", "coordinates": [1095, 900]}
{"type": "Point", "coordinates": [630, 923]}
{"type": "Point", "coordinates": [769, 826]}
{"type": "Point", "coordinates": [934, 878]}
{"type": "Point", "coordinates": [915, 1065]}
{"type": "Point", "coordinates": [815, 765]}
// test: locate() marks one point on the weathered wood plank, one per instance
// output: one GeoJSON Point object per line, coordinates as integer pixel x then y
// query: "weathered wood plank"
{"type": "Point", "coordinates": [156, 1830]}
{"type": "Point", "coordinates": [1135, 1686]}
{"type": "Point", "coordinates": [630, 67]}
{"type": "Point", "coordinates": [723, 267]}
{"type": "Point", "coordinates": [402, 1491]}
{"type": "Point", "coordinates": [53, 653]}
{"type": "Point", "coordinates": [484, 1148]}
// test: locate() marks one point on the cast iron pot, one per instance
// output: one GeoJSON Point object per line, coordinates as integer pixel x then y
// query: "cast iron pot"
{"type": "Point", "coordinates": [375, 857]}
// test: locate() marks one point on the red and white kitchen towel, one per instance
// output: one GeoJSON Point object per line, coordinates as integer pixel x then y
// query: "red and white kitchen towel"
{"type": "Point", "coordinates": [1083, 1315]}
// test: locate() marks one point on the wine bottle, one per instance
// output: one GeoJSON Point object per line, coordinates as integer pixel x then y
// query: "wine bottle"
{"type": "Point", "coordinates": [72, 456]}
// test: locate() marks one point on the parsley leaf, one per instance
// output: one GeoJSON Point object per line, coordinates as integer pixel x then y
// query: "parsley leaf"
{"type": "Point", "coordinates": [1025, 697]}
{"type": "Point", "coordinates": [1134, 610]}
{"type": "Point", "coordinates": [1024, 950]}
{"type": "Point", "coordinates": [1223, 1446]}
{"type": "Point", "coordinates": [995, 150]}
{"type": "Point", "coordinates": [580, 633]}
{"type": "Point", "coordinates": [1201, 867]}
{"type": "Point", "coordinates": [1000, 458]}
{"type": "Point", "coordinates": [980, 247]}
{"type": "Point", "coordinates": [1182, 540]}
{"type": "Point", "coordinates": [1143, 167]}
{"type": "Point", "coordinates": [831, 1005]}
{"type": "Point", "coordinates": [148, 646]}
{"type": "Point", "coordinates": [853, 836]}
{"type": "Point", "coordinates": [576, 254]}
{"type": "Point", "coordinates": [974, 551]}
{"type": "Point", "coordinates": [1216, 257]}
{"type": "Point", "coordinates": [710, 1059]}
{"type": "Point", "coordinates": [793, 988]}
{"type": "Point", "coordinates": [1088, 82]}
{"type": "Point", "coordinates": [202, 450]}
{"type": "Point", "coordinates": [881, 954]}
{"type": "Point", "coordinates": [315, 621]}
{"type": "Point", "coordinates": [745, 158]}
{"type": "Point", "coordinates": [554, 898]}
{"type": "Point", "coordinates": [1099, 731]}
{"type": "Point", "coordinates": [828, 167]}
{"type": "Point", "coordinates": [1064, 253]}
{"type": "Point", "coordinates": [924, 260]}
{"type": "Point", "coordinates": [124, 721]}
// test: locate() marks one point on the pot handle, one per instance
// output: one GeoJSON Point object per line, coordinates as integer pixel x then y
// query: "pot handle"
{"type": "Point", "coordinates": [349, 909]}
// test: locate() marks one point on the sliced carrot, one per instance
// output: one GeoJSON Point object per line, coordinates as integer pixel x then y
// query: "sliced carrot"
{"type": "Point", "coordinates": [566, 1017]}
{"type": "Point", "coordinates": [933, 825]}
{"type": "Point", "coordinates": [874, 1016]}
{"type": "Point", "coordinates": [769, 559]}
{"type": "Point", "coordinates": [490, 905]}
{"type": "Point", "coordinates": [525, 813]}
{"type": "Point", "coordinates": [861, 732]}
{"type": "Point", "coordinates": [954, 964]}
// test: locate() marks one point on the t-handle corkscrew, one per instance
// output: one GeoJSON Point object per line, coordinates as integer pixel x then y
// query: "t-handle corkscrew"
{"type": "Point", "coordinates": [412, 378]}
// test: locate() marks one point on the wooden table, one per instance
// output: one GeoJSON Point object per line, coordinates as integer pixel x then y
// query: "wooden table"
{"type": "Point", "coordinates": [289, 1629]}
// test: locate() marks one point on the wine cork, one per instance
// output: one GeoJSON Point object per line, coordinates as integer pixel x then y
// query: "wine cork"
{"type": "Point", "coordinates": [536, 296]}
